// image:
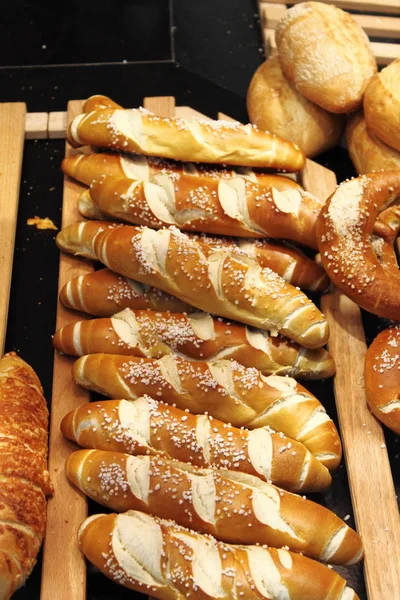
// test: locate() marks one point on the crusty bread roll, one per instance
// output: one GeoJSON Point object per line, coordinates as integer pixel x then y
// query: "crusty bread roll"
{"type": "Point", "coordinates": [326, 55]}
{"type": "Point", "coordinates": [368, 152]}
{"type": "Point", "coordinates": [23, 472]}
{"type": "Point", "coordinates": [223, 142]}
{"type": "Point", "coordinates": [145, 426]}
{"type": "Point", "coordinates": [382, 105]}
{"type": "Point", "coordinates": [198, 336]}
{"type": "Point", "coordinates": [223, 389]}
{"type": "Point", "coordinates": [234, 507]}
{"type": "Point", "coordinates": [274, 105]}
{"type": "Point", "coordinates": [382, 377]}
{"type": "Point", "coordinates": [180, 563]}
{"type": "Point", "coordinates": [228, 285]}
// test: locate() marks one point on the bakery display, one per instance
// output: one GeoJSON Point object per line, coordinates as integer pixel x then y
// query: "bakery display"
{"type": "Point", "coordinates": [382, 377]}
{"type": "Point", "coordinates": [148, 427]}
{"type": "Point", "coordinates": [223, 142]}
{"type": "Point", "coordinates": [367, 151]}
{"type": "Point", "coordinates": [382, 105]}
{"type": "Point", "coordinates": [231, 506]}
{"type": "Point", "coordinates": [344, 230]}
{"type": "Point", "coordinates": [274, 105]}
{"type": "Point", "coordinates": [313, 41]}
{"type": "Point", "coordinates": [183, 563]}
{"type": "Point", "coordinates": [23, 467]}
{"type": "Point", "coordinates": [224, 389]}
{"type": "Point", "coordinates": [196, 336]}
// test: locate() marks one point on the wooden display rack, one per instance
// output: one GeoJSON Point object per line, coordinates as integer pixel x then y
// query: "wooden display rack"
{"type": "Point", "coordinates": [377, 25]}
{"type": "Point", "coordinates": [370, 479]}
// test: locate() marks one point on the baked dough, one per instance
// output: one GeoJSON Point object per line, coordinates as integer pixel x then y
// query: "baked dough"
{"type": "Point", "coordinates": [382, 105]}
{"type": "Point", "coordinates": [367, 151]}
{"type": "Point", "coordinates": [274, 105]}
{"type": "Point", "coordinates": [326, 55]}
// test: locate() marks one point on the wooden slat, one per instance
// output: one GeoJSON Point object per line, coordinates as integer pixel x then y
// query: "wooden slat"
{"type": "Point", "coordinates": [368, 468]}
{"type": "Point", "coordinates": [374, 6]}
{"type": "Point", "coordinates": [64, 571]}
{"type": "Point", "coordinates": [12, 133]}
{"type": "Point", "coordinates": [373, 25]}
{"type": "Point", "coordinates": [36, 126]}
{"type": "Point", "coordinates": [185, 112]}
{"type": "Point", "coordinates": [57, 126]}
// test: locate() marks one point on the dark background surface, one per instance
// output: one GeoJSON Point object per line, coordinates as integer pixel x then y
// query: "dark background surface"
{"type": "Point", "coordinates": [204, 54]}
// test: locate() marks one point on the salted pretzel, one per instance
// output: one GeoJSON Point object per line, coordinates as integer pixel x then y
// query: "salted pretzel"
{"type": "Point", "coordinates": [363, 266]}
{"type": "Point", "coordinates": [382, 377]}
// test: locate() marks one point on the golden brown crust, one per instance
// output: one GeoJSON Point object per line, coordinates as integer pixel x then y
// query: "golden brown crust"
{"type": "Point", "coordinates": [313, 41]}
{"type": "Point", "coordinates": [98, 101]}
{"type": "Point", "coordinates": [224, 389]}
{"type": "Point", "coordinates": [174, 575]}
{"type": "Point", "coordinates": [206, 205]}
{"type": "Point", "coordinates": [344, 231]}
{"type": "Point", "coordinates": [228, 285]}
{"type": "Point", "coordinates": [368, 152]}
{"type": "Point", "coordinates": [274, 105]}
{"type": "Point", "coordinates": [237, 507]}
{"type": "Point", "coordinates": [150, 334]}
{"type": "Point", "coordinates": [382, 105]}
{"type": "Point", "coordinates": [177, 434]}
{"type": "Point", "coordinates": [222, 142]}
{"type": "Point", "coordinates": [23, 471]}
{"type": "Point", "coordinates": [103, 293]}
{"type": "Point", "coordinates": [382, 377]}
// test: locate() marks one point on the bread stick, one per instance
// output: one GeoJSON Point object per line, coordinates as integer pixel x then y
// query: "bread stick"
{"type": "Point", "coordinates": [145, 426]}
{"type": "Point", "coordinates": [232, 506]}
{"type": "Point", "coordinates": [224, 389]}
{"type": "Point", "coordinates": [229, 286]}
{"type": "Point", "coordinates": [234, 207]}
{"type": "Point", "coordinates": [181, 563]}
{"type": "Point", "coordinates": [196, 336]}
{"type": "Point", "coordinates": [103, 292]}
{"type": "Point", "coordinates": [142, 132]}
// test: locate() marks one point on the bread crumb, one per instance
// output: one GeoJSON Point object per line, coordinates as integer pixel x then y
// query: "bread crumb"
{"type": "Point", "coordinates": [45, 223]}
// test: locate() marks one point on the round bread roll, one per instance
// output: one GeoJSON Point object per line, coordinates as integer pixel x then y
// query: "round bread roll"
{"type": "Point", "coordinates": [367, 151]}
{"type": "Point", "coordinates": [326, 55]}
{"type": "Point", "coordinates": [382, 105]}
{"type": "Point", "coordinates": [382, 377]}
{"type": "Point", "coordinates": [272, 102]}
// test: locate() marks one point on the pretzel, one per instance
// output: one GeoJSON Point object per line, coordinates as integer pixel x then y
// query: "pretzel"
{"type": "Point", "coordinates": [344, 230]}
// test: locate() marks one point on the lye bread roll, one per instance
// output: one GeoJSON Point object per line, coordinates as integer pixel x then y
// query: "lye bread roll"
{"type": "Point", "coordinates": [326, 55]}
{"type": "Point", "coordinates": [274, 105]}
{"type": "Point", "coordinates": [382, 105]}
{"type": "Point", "coordinates": [367, 151]}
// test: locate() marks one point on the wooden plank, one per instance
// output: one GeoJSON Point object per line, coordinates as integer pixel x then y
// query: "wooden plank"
{"type": "Point", "coordinates": [12, 133]}
{"type": "Point", "coordinates": [185, 112]}
{"type": "Point", "coordinates": [385, 53]}
{"type": "Point", "coordinates": [36, 126]}
{"type": "Point", "coordinates": [57, 127]}
{"type": "Point", "coordinates": [370, 479]}
{"type": "Point", "coordinates": [374, 6]}
{"type": "Point", "coordinates": [373, 25]}
{"type": "Point", "coordinates": [163, 106]}
{"type": "Point", "coordinates": [64, 571]}
{"type": "Point", "coordinates": [368, 468]}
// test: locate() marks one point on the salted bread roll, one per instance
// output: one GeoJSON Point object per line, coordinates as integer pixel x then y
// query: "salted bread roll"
{"type": "Point", "coordinates": [326, 55]}
{"type": "Point", "coordinates": [180, 563]}
{"type": "Point", "coordinates": [367, 151]}
{"type": "Point", "coordinates": [272, 103]}
{"type": "Point", "coordinates": [382, 105]}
